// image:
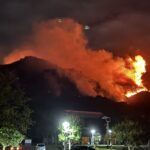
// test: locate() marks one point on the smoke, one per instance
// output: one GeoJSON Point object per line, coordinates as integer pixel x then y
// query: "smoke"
{"type": "Point", "coordinates": [62, 42]}
{"type": "Point", "coordinates": [2, 54]}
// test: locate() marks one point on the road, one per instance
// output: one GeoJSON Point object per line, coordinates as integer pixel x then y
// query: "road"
{"type": "Point", "coordinates": [48, 147]}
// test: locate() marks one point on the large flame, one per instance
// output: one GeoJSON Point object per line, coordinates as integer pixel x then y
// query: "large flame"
{"type": "Point", "coordinates": [138, 68]}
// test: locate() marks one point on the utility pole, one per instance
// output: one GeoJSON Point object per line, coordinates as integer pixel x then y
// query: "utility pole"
{"type": "Point", "coordinates": [108, 120]}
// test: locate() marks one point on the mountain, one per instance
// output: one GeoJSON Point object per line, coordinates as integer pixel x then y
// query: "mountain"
{"type": "Point", "coordinates": [47, 84]}
{"type": "Point", "coordinates": [141, 102]}
{"type": "Point", "coordinates": [52, 92]}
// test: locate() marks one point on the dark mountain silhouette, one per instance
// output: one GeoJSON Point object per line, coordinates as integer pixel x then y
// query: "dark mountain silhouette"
{"type": "Point", "coordinates": [46, 84]}
{"type": "Point", "coordinates": [51, 92]}
{"type": "Point", "coordinates": [141, 102]}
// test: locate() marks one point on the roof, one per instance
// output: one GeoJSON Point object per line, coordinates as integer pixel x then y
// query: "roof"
{"type": "Point", "coordinates": [88, 114]}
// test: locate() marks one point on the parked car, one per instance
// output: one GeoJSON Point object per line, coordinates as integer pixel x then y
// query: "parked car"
{"type": "Point", "coordinates": [82, 147]}
{"type": "Point", "coordinates": [40, 146]}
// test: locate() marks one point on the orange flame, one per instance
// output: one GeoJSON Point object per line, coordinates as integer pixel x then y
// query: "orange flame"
{"type": "Point", "coordinates": [138, 68]}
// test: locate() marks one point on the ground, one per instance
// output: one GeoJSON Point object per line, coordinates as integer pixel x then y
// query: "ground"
{"type": "Point", "coordinates": [48, 147]}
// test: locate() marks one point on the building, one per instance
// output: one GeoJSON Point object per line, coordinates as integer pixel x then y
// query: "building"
{"type": "Point", "coordinates": [91, 120]}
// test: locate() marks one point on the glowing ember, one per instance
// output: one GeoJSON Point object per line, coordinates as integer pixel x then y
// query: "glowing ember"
{"type": "Point", "coordinates": [138, 68]}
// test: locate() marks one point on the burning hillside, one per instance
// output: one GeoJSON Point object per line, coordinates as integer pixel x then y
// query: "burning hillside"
{"type": "Point", "coordinates": [95, 72]}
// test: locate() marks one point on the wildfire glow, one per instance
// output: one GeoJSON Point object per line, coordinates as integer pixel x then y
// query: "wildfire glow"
{"type": "Point", "coordinates": [94, 72]}
{"type": "Point", "coordinates": [138, 68]}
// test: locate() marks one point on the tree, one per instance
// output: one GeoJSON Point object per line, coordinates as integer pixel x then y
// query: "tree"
{"type": "Point", "coordinates": [97, 138]}
{"type": "Point", "coordinates": [128, 132]}
{"type": "Point", "coordinates": [14, 111]}
{"type": "Point", "coordinates": [10, 137]}
{"type": "Point", "coordinates": [73, 131]}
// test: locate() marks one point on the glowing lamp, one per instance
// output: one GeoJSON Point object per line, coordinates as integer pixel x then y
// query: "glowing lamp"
{"type": "Point", "coordinates": [93, 131]}
{"type": "Point", "coordinates": [110, 131]}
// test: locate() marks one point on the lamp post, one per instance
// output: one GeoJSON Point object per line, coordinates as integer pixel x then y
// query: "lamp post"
{"type": "Point", "coordinates": [66, 126]}
{"type": "Point", "coordinates": [92, 138]}
{"type": "Point", "coordinates": [110, 132]}
{"type": "Point", "coordinates": [107, 119]}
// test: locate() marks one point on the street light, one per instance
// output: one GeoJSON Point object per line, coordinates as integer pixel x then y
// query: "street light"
{"type": "Point", "coordinates": [108, 120]}
{"type": "Point", "coordinates": [92, 139]}
{"type": "Point", "coordinates": [110, 132]}
{"type": "Point", "coordinates": [66, 126]}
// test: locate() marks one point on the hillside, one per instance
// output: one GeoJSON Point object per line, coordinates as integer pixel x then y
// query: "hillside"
{"type": "Point", "coordinates": [52, 92]}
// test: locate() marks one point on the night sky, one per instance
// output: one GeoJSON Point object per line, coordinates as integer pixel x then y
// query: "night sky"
{"type": "Point", "coordinates": [120, 26]}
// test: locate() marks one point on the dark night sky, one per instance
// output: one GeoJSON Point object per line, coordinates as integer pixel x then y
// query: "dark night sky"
{"type": "Point", "coordinates": [116, 25]}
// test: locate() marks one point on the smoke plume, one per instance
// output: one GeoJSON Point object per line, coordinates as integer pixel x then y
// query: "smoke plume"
{"type": "Point", "coordinates": [62, 42]}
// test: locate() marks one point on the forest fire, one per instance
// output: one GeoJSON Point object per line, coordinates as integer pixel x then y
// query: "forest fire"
{"type": "Point", "coordinates": [94, 72]}
{"type": "Point", "coordinates": [138, 68]}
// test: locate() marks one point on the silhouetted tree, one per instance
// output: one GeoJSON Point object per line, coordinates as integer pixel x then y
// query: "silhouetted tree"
{"type": "Point", "coordinates": [10, 137]}
{"type": "Point", "coordinates": [128, 132]}
{"type": "Point", "coordinates": [72, 132]}
{"type": "Point", "coordinates": [15, 114]}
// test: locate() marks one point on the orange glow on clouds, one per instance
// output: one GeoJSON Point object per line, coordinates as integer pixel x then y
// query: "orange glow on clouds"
{"type": "Point", "coordinates": [16, 55]}
{"type": "Point", "coordinates": [94, 72]}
